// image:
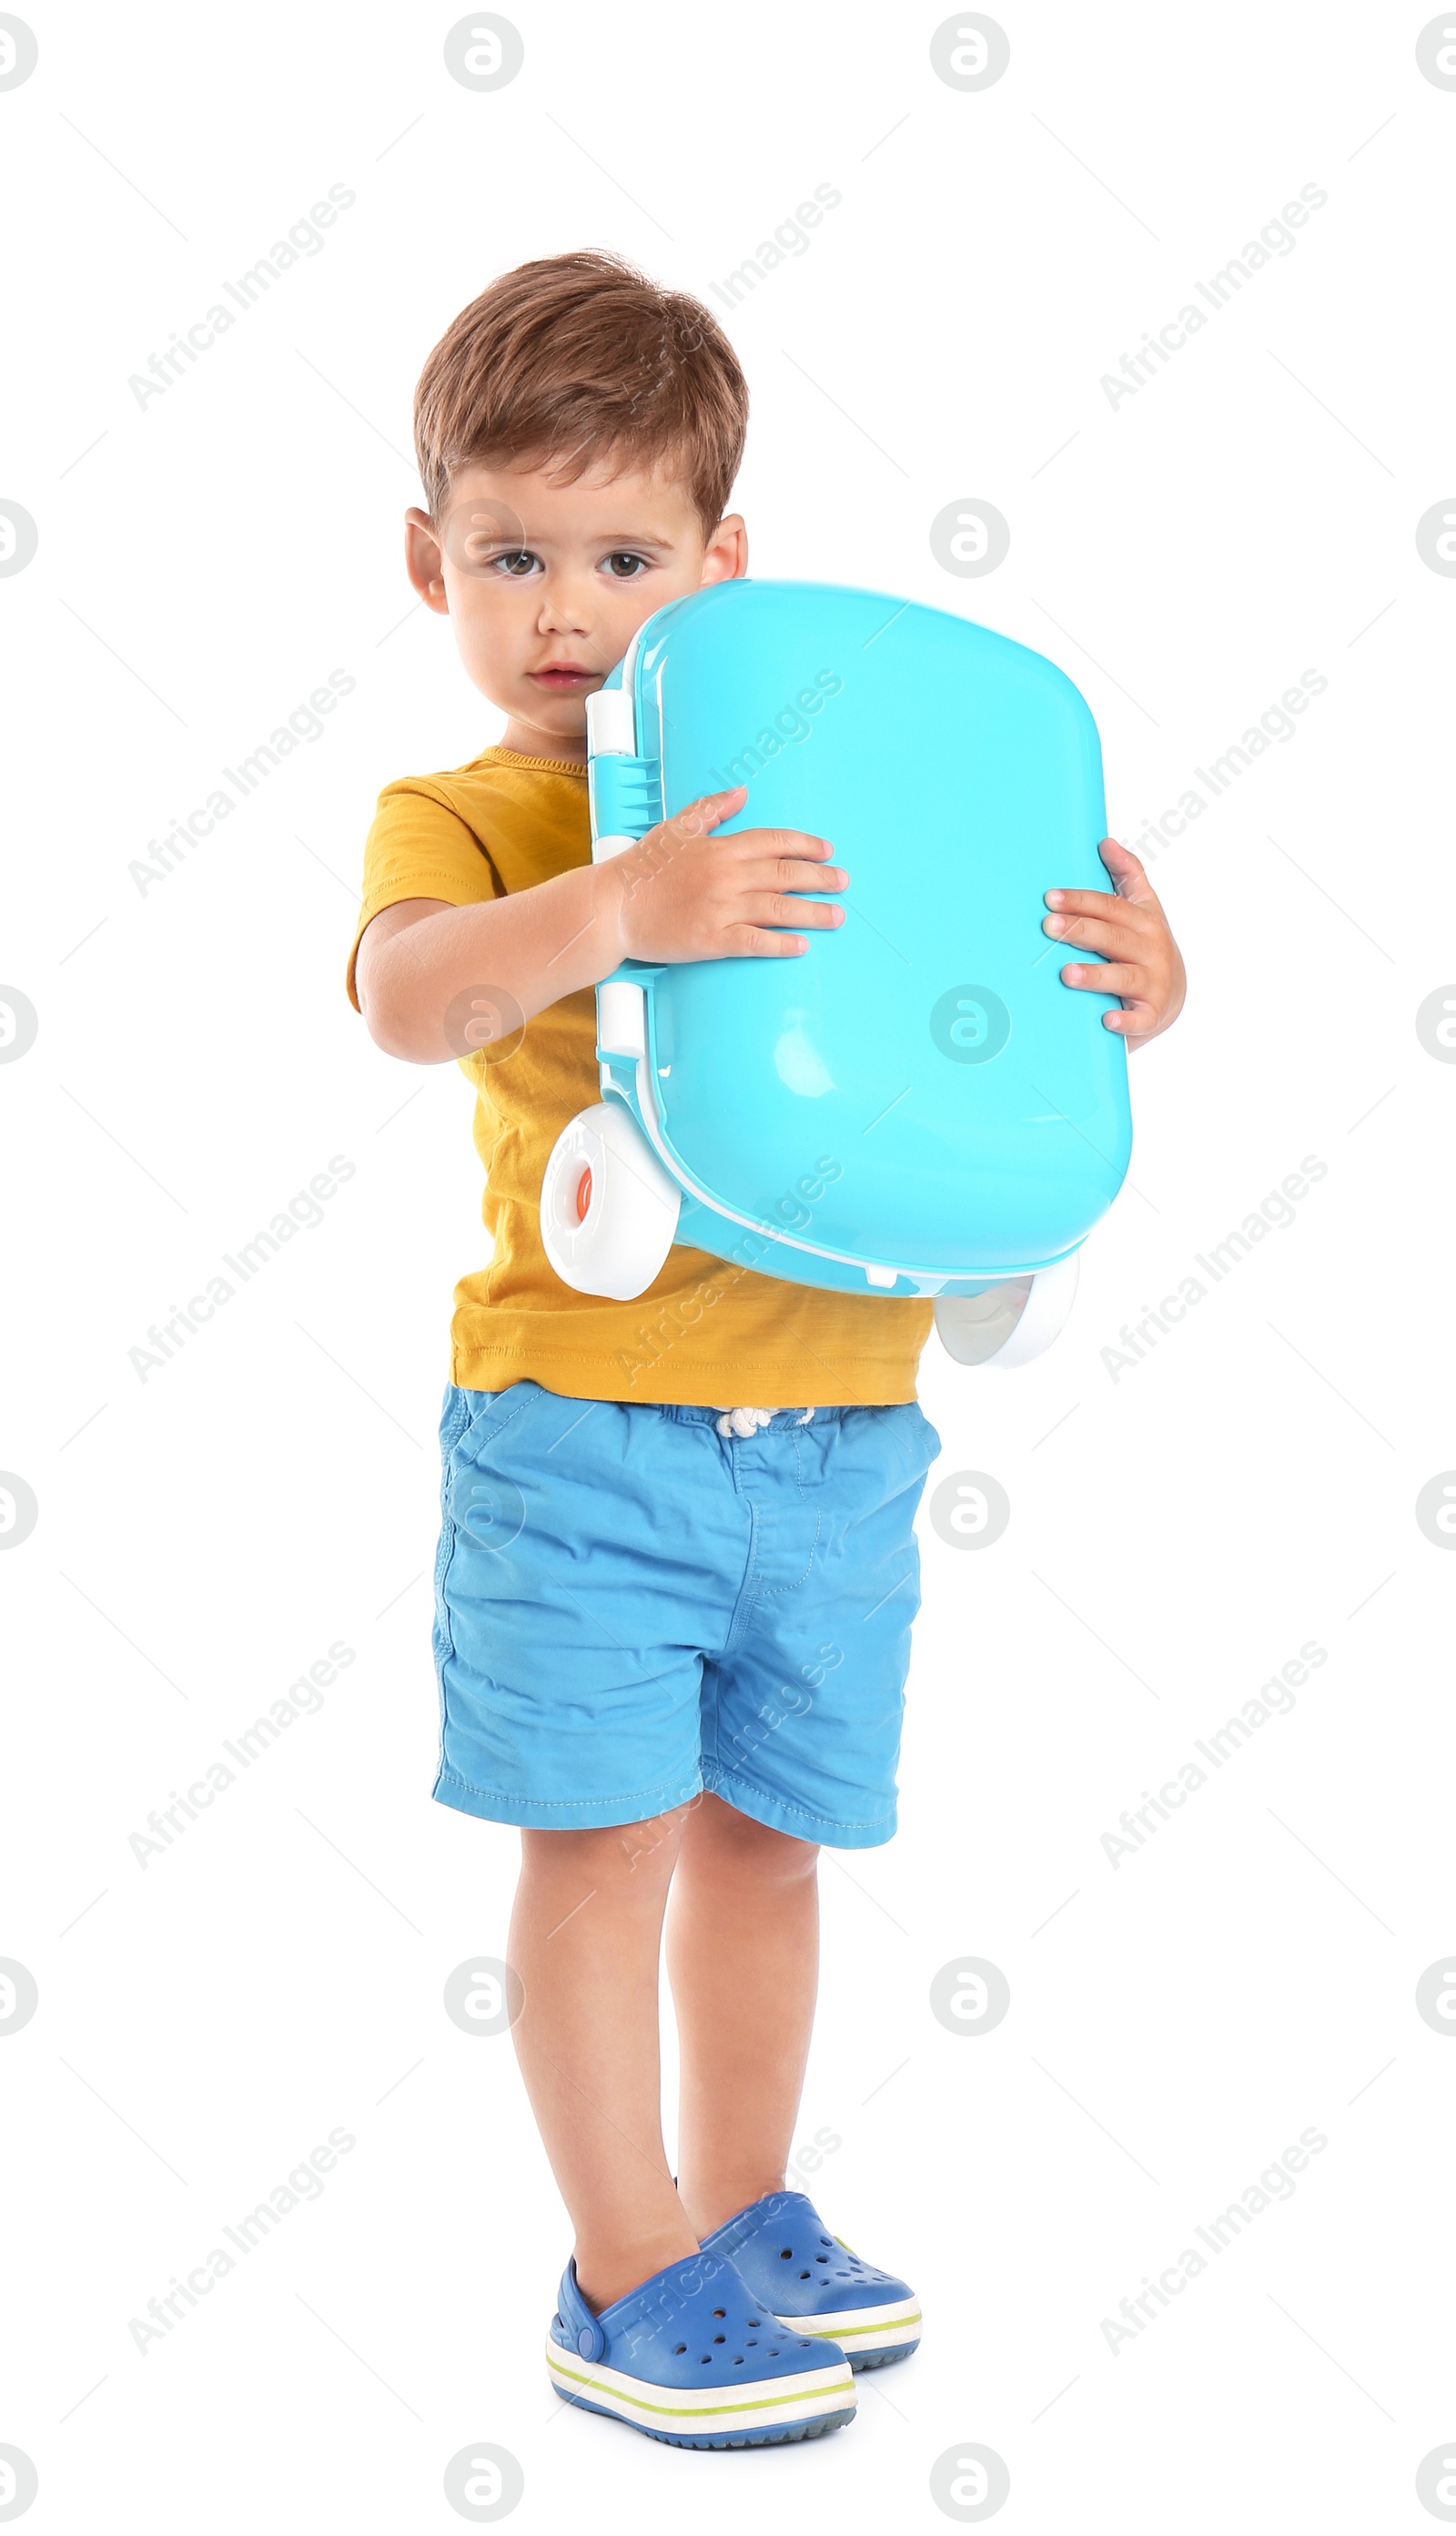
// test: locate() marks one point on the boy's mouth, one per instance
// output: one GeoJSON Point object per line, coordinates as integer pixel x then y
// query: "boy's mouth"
{"type": "Point", "coordinates": [562, 676]}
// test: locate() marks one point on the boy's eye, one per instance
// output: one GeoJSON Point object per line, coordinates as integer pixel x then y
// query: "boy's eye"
{"type": "Point", "coordinates": [515, 566]}
{"type": "Point", "coordinates": [625, 567]}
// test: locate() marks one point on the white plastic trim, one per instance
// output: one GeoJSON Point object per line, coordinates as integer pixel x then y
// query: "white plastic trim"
{"type": "Point", "coordinates": [621, 1018]}
{"type": "Point", "coordinates": [991, 1329]}
{"type": "Point", "coordinates": [611, 723]}
{"type": "Point", "coordinates": [1047, 1310]}
{"type": "Point", "coordinates": [603, 848]}
{"type": "Point", "coordinates": [974, 1327]}
{"type": "Point", "coordinates": [621, 1243]}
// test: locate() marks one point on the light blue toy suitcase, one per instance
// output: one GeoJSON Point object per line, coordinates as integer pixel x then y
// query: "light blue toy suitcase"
{"type": "Point", "coordinates": [918, 1106]}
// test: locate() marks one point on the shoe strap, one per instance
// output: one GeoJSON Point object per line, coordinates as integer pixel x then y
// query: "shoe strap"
{"type": "Point", "coordinates": [583, 2326]}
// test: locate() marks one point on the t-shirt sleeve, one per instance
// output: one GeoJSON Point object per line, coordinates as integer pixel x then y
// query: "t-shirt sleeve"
{"type": "Point", "coordinates": [419, 847]}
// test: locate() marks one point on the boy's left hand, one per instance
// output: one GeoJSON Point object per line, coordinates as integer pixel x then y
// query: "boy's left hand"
{"type": "Point", "coordinates": [1141, 963]}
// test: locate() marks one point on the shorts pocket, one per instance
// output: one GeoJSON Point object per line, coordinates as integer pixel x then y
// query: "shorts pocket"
{"type": "Point", "coordinates": [910, 1434]}
{"type": "Point", "coordinates": [455, 1415]}
{"type": "Point", "coordinates": [487, 1413]}
{"type": "Point", "coordinates": [929, 1436]}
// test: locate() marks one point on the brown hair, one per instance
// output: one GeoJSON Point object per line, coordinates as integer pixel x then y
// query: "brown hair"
{"type": "Point", "coordinates": [576, 359]}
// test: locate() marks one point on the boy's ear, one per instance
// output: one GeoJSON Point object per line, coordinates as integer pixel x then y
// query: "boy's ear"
{"type": "Point", "coordinates": [725, 557]}
{"type": "Point", "coordinates": [424, 561]}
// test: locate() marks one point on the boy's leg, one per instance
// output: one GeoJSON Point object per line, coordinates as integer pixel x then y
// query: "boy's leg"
{"type": "Point", "coordinates": [743, 1961]}
{"type": "Point", "coordinates": [586, 1940]}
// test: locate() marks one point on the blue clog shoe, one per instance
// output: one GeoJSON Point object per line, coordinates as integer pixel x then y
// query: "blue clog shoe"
{"type": "Point", "coordinates": [693, 2357]}
{"type": "Point", "coordinates": [812, 2283]}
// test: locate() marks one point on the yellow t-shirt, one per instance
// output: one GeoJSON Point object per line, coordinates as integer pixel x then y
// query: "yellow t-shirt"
{"type": "Point", "coordinates": [707, 1332]}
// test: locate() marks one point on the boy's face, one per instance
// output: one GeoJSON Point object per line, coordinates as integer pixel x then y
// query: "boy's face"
{"type": "Point", "coordinates": [545, 583]}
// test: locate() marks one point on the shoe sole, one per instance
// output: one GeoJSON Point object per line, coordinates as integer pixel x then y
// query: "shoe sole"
{"type": "Point", "coordinates": [871, 2337]}
{"type": "Point", "coordinates": [799, 2408]}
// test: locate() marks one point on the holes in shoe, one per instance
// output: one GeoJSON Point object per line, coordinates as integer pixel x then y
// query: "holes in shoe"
{"type": "Point", "coordinates": [678, 2349]}
{"type": "Point", "coordinates": [803, 2276]}
{"type": "Point", "coordinates": [786, 2254]}
{"type": "Point", "coordinates": [739, 2360]}
{"type": "Point", "coordinates": [719, 2337]}
{"type": "Point", "coordinates": [821, 2259]}
{"type": "Point", "coordinates": [719, 2310]}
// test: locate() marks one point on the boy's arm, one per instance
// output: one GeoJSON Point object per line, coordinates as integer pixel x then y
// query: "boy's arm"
{"type": "Point", "coordinates": [418, 957]}
{"type": "Point", "coordinates": [1142, 962]}
{"type": "Point", "coordinates": [680, 894]}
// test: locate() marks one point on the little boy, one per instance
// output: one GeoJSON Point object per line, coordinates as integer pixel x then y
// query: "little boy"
{"type": "Point", "coordinates": [673, 1619]}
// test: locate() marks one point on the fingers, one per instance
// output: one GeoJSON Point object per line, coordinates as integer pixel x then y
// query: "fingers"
{"type": "Point", "coordinates": [1134, 1021]}
{"type": "Point", "coordinates": [795, 861]}
{"type": "Point", "coordinates": [791, 858]}
{"type": "Point", "coordinates": [1081, 901]}
{"type": "Point", "coordinates": [1111, 934]}
{"type": "Point", "coordinates": [771, 907]}
{"type": "Point", "coordinates": [1144, 1008]}
{"type": "Point", "coordinates": [1143, 966]}
{"type": "Point", "coordinates": [701, 815]}
{"type": "Point", "coordinates": [789, 874]}
{"type": "Point", "coordinates": [746, 941]}
{"type": "Point", "coordinates": [1138, 1014]}
{"type": "Point", "coordinates": [1144, 917]}
{"type": "Point", "coordinates": [1128, 876]}
{"type": "Point", "coordinates": [756, 842]}
{"type": "Point", "coordinates": [1111, 977]}
{"type": "Point", "coordinates": [789, 841]}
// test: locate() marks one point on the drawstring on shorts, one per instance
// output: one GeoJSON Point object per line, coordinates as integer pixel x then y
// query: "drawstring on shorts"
{"type": "Point", "coordinates": [747, 1422]}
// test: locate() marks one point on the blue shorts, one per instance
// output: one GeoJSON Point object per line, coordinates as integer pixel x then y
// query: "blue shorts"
{"type": "Point", "coordinates": [631, 1608]}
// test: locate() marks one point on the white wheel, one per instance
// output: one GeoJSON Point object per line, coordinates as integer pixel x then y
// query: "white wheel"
{"type": "Point", "coordinates": [608, 1210]}
{"type": "Point", "coordinates": [1008, 1325]}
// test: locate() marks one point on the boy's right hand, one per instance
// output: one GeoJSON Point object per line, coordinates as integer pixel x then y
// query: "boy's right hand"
{"type": "Point", "coordinates": [686, 894]}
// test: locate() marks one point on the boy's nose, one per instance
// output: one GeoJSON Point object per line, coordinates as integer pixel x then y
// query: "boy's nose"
{"type": "Point", "coordinates": [565, 608]}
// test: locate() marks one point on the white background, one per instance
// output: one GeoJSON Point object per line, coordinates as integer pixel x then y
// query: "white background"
{"type": "Point", "coordinates": [204, 563]}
